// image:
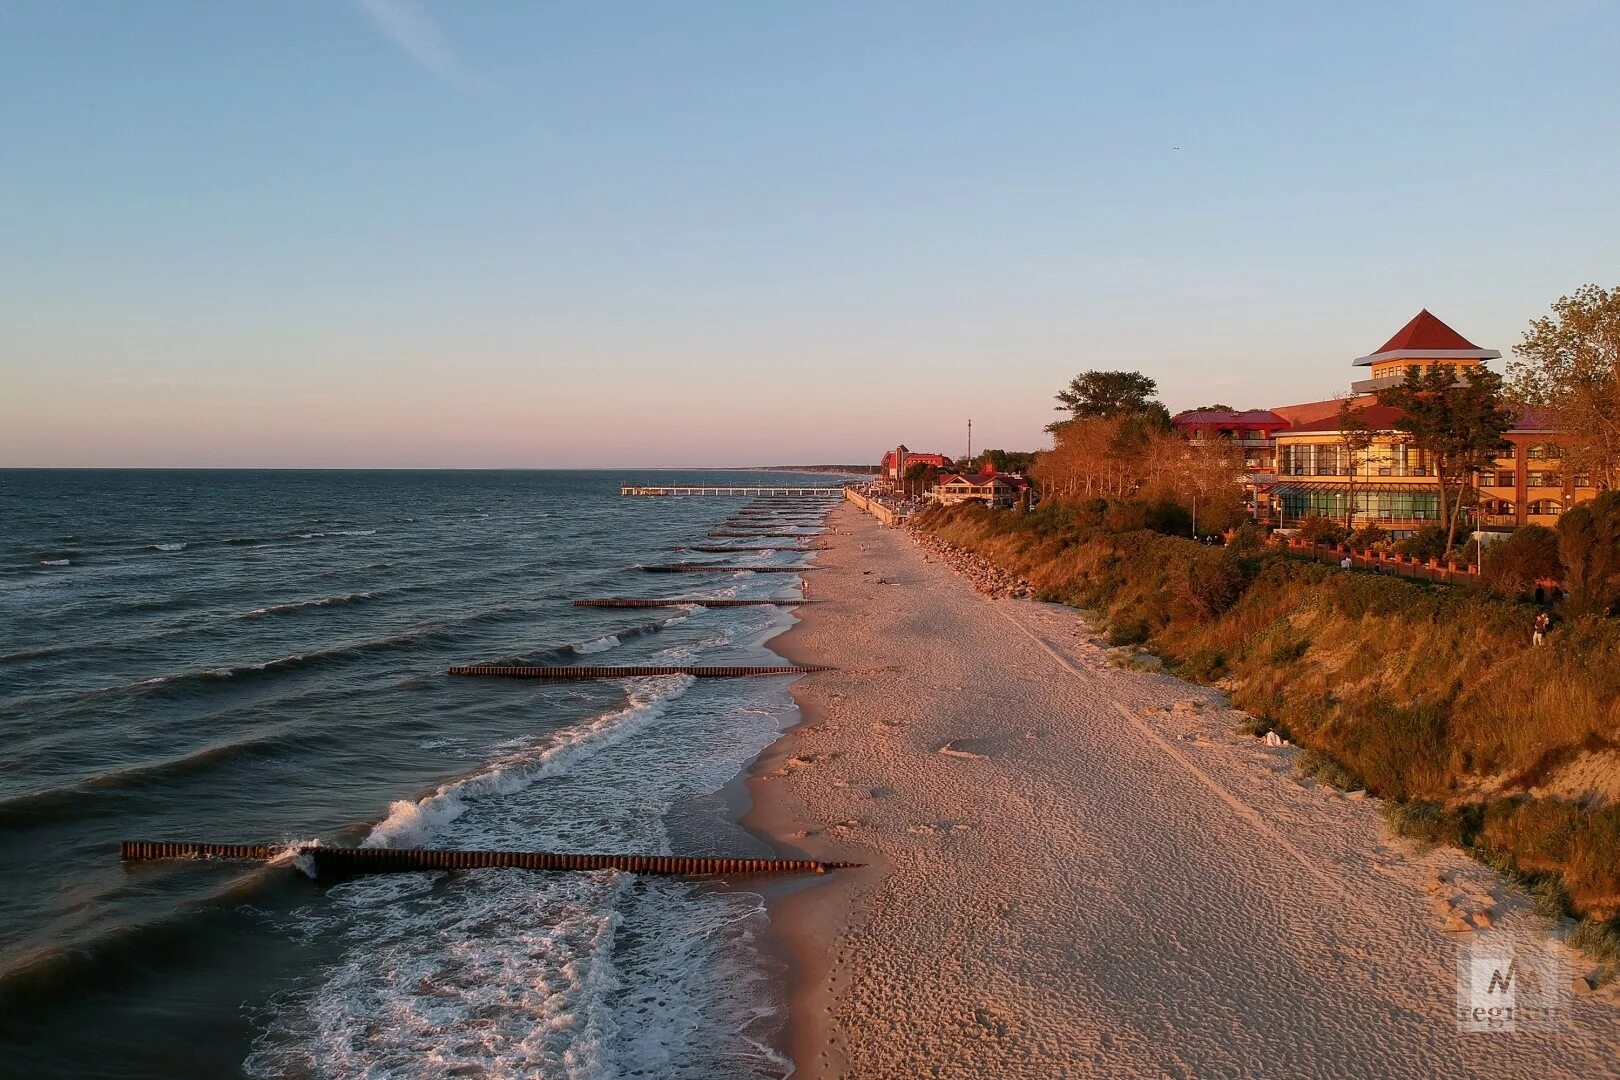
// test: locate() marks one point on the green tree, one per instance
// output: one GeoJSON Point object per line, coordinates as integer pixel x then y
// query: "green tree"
{"type": "Point", "coordinates": [1458, 423]}
{"type": "Point", "coordinates": [1356, 438]}
{"type": "Point", "coordinates": [1008, 461]}
{"type": "Point", "coordinates": [1589, 545]}
{"type": "Point", "coordinates": [1512, 566]}
{"type": "Point", "coordinates": [1570, 366]}
{"type": "Point", "coordinates": [1108, 394]}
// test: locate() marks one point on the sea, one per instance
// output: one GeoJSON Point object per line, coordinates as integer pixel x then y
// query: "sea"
{"type": "Point", "coordinates": [260, 657]}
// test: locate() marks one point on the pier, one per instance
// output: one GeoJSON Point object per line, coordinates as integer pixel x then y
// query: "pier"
{"type": "Point", "coordinates": [695, 489]}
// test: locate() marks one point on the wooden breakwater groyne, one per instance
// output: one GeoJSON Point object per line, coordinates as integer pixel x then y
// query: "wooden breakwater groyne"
{"type": "Point", "coordinates": [402, 860]}
{"type": "Point", "coordinates": [754, 534]}
{"type": "Point", "coordinates": [724, 568]}
{"type": "Point", "coordinates": [524, 671]}
{"type": "Point", "coordinates": [630, 602]}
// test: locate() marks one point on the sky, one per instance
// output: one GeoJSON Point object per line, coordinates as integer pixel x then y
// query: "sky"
{"type": "Point", "coordinates": [398, 233]}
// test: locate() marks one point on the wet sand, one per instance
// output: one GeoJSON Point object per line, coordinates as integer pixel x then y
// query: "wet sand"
{"type": "Point", "coordinates": [1083, 869]}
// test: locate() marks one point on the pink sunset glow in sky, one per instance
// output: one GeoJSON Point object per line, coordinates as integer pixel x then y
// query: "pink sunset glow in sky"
{"type": "Point", "coordinates": [425, 235]}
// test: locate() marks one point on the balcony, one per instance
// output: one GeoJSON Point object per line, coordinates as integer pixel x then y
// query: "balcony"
{"type": "Point", "coordinates": [1383, 382]}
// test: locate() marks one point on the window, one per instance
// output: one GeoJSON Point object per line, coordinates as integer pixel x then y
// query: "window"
{"type": "Point", "coordinates": [1545, 479]}
{"type": "Point", "coordinates": [1582, 480]}
{"type": "Point", "coordinates": [1505, 479]}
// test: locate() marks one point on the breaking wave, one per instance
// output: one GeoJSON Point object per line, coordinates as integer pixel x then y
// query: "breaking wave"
{"type": "Point", "coordinates": [413, 824]}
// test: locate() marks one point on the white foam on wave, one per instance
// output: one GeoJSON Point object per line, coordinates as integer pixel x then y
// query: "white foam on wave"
{"type": "Point", "coordinates": [296, 855]}
{"type": "Point", "coordinates": [55, 562]}
{"type": "Point", "coordinates": [299, 605]}
{"type": "Point", "coordinates": [176, 546]}
{"type": "Point", "coordinates": [508, 976]}
{"type": "Point", "coordinates": [601, 644]}
{"type": "Point", "coordinates": [412, 824]}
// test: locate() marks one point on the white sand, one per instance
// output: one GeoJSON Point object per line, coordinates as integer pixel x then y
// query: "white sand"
{"type": "Point", "coordinates": [1083, 870]}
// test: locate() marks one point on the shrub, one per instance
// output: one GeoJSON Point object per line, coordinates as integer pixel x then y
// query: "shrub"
{"type": "Point", "coordinates": [1401, 752]}
{"type": "Point", "coordinates": [1128, 632]}
{"type": "Point", "coordinates": [1366, 538]}
{"type": "Point", "coordinates": [1247, 538]}
{"type": "Point", "coordinates": [1316, 529]}
{"type": "Point", "coordinates": [1430, 822]}
{"type": "Point", "coordinates": [1511, 567]}
{"type": "Point", "coordinates": [1589, 547]}
{"type": "Point", "coordinates": [1315, 765]}
{"type": "Point", "coordinates": [1427, 543]}
{"type": "Point", "coordinates": [1209, 583]}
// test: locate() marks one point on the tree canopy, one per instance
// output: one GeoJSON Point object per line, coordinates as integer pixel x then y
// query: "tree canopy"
{"type": "Point", "coordinates": [1459, 423]}
{"type": "Point", "coordinates": [1570, 366]}
{"type": "Point", "coordinates": [1104, 395]}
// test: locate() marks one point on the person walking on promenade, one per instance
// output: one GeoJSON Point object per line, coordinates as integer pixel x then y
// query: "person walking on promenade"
{"type": "Point", "coordinates": [1543, 621]}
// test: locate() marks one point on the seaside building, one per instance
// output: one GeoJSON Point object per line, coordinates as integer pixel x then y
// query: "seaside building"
{"type": "Point", "coordinates": [997, 490]}
{"type": "Point", "coordinates": [897, 461]}
{"type": "Point", "coordinates": [1393, 483]}
{"type": "Point", "coordinates": [1253, 430]}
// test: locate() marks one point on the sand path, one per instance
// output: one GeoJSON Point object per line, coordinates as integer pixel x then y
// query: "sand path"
{"type": "Point", "coordinates": [1084, 870]}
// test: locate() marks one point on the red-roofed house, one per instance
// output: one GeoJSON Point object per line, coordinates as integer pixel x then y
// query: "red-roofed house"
{"type": "Point", "coordinates": [997, 490]}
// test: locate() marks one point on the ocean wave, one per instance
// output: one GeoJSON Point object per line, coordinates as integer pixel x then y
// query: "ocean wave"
{"type": "Point", "coordinates": [597, 644]}
{"type": "Point", "coordinates": [178, 545]}
{"type": "Point", "coordinates": [300, 605]}
{"type": "Point", "coordinates": [511, 976]}
{"type": "Point", "coordinates": [334, 532]}
{"type": "Point", "coordinates": [75, 802]}
{"type": "Point", "coordinates": [55, 562]}
{"type": "Point", "coordinates": [282, 663]}
{"type": "Point", "coordinates": [413, 824]}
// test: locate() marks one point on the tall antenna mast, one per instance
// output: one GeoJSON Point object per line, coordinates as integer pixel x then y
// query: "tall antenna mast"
{"type": "Point", "coordinates": [970, 441]}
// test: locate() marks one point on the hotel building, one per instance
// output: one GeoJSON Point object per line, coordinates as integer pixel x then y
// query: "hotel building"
{"type": "Point", "coordinates": [1393, 484]}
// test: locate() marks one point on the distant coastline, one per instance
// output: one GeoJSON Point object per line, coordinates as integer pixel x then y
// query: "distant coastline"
{"type": "Point", "coordinates": [849, 470]}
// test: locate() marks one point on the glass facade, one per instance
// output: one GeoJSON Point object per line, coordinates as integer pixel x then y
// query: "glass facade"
{"type": "Point", "coordinates": [1372, 505]}
{"type": "Point", "coordinates": [1333, 459]}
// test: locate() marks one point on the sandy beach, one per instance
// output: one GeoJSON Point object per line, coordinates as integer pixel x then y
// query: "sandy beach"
{"type": "Point", "coordinates": [1077, 868]}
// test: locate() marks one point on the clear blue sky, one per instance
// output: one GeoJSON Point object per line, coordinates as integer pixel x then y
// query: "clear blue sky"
{"type": "Point", "coordinates": [522, 234]}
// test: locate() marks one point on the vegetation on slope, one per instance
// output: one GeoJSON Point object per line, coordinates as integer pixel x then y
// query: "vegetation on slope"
{"type": "Point", "coordinates": [1428, 695]}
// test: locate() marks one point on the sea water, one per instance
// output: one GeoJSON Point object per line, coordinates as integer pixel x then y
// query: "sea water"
{"type": "Point", "coordinates": [260, 657]}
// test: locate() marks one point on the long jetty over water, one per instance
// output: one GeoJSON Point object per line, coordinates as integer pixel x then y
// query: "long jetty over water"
{"type": "Point", "coordinates": [694, 489]}
{"type": "Point", "coordinates": [399, 860]}
{"type": "Point", "coordinates": [520, 671]}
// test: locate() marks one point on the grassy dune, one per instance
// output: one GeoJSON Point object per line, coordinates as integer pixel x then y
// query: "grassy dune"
{"type": "Point", "coordinates": [1430, 696]}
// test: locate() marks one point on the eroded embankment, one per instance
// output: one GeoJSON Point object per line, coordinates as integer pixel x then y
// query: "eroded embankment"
{"type": "Point", "coordinates": [1430, 696]}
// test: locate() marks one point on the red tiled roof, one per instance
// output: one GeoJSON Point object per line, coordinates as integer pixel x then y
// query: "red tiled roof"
{"type": "Point", "coordinates": [1220, 417]}
{"type": "Point", "coordinates": [1311, 411]}
{"type": "Point", "coordinates": [1426, 338]}
{"type": "Point", "coordinates": [1425, 332]}
{"type": "Point", "coordinates": [1378, 417]}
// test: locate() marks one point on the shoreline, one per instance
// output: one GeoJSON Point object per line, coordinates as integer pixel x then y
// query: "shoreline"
{"type": "Point", "coordinates": [1078, 867]}
{"type": "Point", "coordinates": [805, 916]}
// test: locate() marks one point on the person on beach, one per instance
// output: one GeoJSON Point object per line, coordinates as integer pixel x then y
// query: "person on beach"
{"type": "Point", "coordinates": [1543, 622]}
{"type": "Point", "coordinates": [1346, 563]}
